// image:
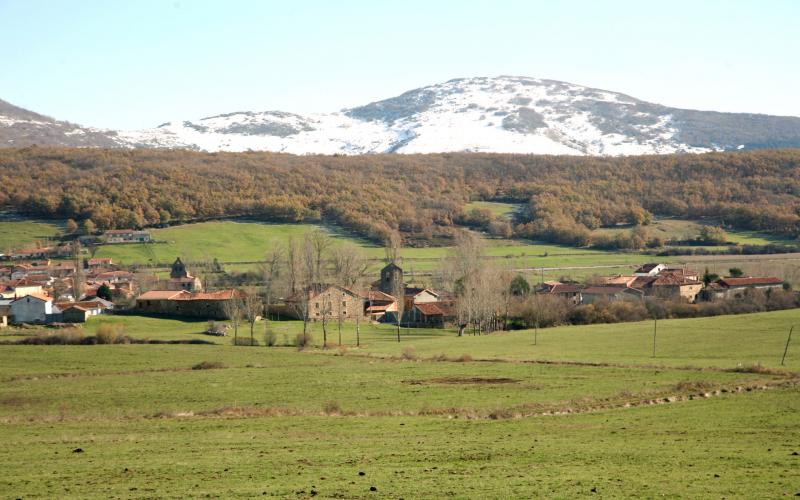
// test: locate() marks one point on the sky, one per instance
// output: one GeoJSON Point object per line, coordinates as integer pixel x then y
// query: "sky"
{"type": "Point", "coordinates": [129, 64]}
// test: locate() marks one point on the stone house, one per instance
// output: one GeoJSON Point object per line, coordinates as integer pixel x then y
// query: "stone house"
{"type": "Point", "coordinates": [610, 293]}
{"type": "Point", "coordinates": [735, 287]}
{"type": "Point", "coordinates": [566, 291]}
{"type": "Point", "coordinates": [180, 279]}
{"type": "Point", "coordinates": [326, 302]}
{"type": "Point", "coordinates": [204, 305]}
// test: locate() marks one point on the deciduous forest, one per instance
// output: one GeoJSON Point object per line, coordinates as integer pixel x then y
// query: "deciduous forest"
{"type": "Point", "coordinates": [420, 196]}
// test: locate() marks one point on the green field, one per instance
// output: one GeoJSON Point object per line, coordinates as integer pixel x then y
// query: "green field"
{"type": "Point", "coordinates": [577, 414]}
{"type": "Point", "coordinates": [15, 234]}
{"type": "Point", "coordinates": [681, 230]}
{"type": "Point", "coordinates": [496, 208]}
{"type": "Point", "coordinates": [240, 244]}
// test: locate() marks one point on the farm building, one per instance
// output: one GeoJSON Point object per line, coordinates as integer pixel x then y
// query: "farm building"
{"type": "Point", "coordinates": [205, 305]}
{"type": "Point", "coordinates": [734, 287]}
{"type": "Point", "coordinates": [126, 236]}
{"type": "Point", "coordinates": [180, 279]}
{"type": "Point", "coordinates": [377, 304]}
{"type": "Point", "coordinates": [34, 308]}
{"type": "Point", "coordinates": [610, 293]}
{"type": "Point", "coordinates": [564, 290]}
{"type": "Point", "coordinates": [325, 302]}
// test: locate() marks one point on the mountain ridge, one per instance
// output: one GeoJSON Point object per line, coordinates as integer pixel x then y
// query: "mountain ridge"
{"type": "Point", "coordinates": [504, 114]}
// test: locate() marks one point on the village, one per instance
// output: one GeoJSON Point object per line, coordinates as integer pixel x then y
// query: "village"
{"type": "Point", "coordinates": [60, 285]}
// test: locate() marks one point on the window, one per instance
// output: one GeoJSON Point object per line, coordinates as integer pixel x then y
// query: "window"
{"type": "Point", "coordinates": [344, 303]}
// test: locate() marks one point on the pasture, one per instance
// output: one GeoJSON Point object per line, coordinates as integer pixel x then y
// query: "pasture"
{"type": "Point", "coordinates": [585, 411]}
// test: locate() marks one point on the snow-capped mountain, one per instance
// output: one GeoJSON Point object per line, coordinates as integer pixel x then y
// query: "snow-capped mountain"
{"type": "Point", "coordinates": [506, 114]}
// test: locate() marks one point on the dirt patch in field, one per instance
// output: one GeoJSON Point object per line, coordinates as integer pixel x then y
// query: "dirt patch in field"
{"type": "Point", "coordinates": [463, 381]}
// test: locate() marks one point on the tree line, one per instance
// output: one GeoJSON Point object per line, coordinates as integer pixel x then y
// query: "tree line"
{"type": "Point", "coordinates": [422, 197]}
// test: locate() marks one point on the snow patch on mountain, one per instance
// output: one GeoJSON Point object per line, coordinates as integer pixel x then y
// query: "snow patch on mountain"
{"type": "Point", "coordinates": [506, 114]}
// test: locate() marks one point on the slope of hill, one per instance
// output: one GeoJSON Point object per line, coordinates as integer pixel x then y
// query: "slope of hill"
{"type": "Point", "coordinates": [505, 114]}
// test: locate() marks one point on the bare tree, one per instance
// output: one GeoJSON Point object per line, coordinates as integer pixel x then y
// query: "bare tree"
{"type": "Point", "coordinates": [392, 247]}
{"type": "Point", "coordinates": [233, 309]}
{"type": "Point", "coordinates": [272, 273]}
{"type": "Point", "coordinates": [252, 309]}
{"type": "Point", "coordinates": [477, 285]}
{"type": "Point", "coordinates": [349, 270]}
{"type": "Point", "coordinates": [319, 243]}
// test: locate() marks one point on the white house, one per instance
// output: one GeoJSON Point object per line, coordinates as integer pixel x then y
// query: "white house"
{"type": "Point", "coordinates": [651, 269]}
{"type": "Point", "coordinates": [126, 236]}
{"type": "Point", "coordinates": [32, 309]}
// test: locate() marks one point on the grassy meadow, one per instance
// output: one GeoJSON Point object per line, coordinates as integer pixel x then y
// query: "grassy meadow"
{"type": "Point", "coordinates": [16, 234]}
{"type": "Point", "coordinates": [585, 411]}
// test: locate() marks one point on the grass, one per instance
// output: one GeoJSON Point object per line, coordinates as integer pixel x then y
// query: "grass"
{"type": "Point", "coordinates": [496, 208]}
{"type": "Point", "coordinates": [225, 421]}
{"type": "Point", "coordinates": [681, 230]}
{"type": "Point", "coordinates": [240, 244]}
{"type": "Point", "coordinates": [229, 241]}
{"type": "Point", "coordinates": [16, 234]}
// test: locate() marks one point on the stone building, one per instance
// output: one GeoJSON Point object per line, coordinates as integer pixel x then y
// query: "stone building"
{"type": "Point", "coordinates": [204, 305]}
{"type": "Point", "coordinates": [326, 302]}
{"type": "Point", "coordinates": [391, 279]}
{"type": "Point", "coordinates": [180, 279]}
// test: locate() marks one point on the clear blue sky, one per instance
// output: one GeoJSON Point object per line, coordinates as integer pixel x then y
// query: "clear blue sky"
{"type": "Point", "coordinates": [137, 63]}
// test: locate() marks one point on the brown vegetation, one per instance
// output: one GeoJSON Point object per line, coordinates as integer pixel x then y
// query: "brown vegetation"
{"type": "Point", "coordinates": [421, 196]}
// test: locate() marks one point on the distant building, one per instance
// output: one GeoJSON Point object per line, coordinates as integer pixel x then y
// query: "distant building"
{"type": "Point", "coordinates": [610, 293]}
{"type": "Point", "coordinates": [391, 279]}
{"type": "Point", "coordinates": [377, 304]}
{"type": "Point", "coordinates": [180, 279]}
{"type": "Point", "coordinates": [5, 312]}
{"type": "Point", "coordinates": [651, 269]}
{"type": "Point", "coordinates": [326, 302]}
{"type": "Point", "coordinates": [126, 236]}
{"type": "Point", "coordinates": [735, 287]}
{"type": "Point", "coordinates": [432, 314]}
{"type": "Point", "coordinates": [204, 305]}
{"type": "Point", "coordinates": [564, 290]}
{"type": "Point", "coordinates": [36, 308]}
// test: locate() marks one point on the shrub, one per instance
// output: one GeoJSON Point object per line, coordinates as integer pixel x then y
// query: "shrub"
{"type": "Point", "coordinates": [409, 353]}
{"type": "Point", "coordinates": [208, 365]}
{"type": "Point", "coordinates": [464, 358]}
{"type": "Point", "coordinates": [247, 341]}
{"type": "Point", "coordinates": [302, 341]}
{"type": "Point", "coordinates": [332, 408]}
{"type": "Point", "coordinates": [270, 338]}
{"type": "Point", "coordinates": [110, 333]}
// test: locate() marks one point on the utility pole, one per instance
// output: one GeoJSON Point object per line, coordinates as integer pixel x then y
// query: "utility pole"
{"type": "Point", "coordinates": [787, 345]}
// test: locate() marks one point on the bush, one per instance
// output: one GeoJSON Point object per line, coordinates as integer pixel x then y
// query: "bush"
{"type": "Point", "coordinates": [209, 365]}
{"type": "Point", "coordinates": [409, 353]}
{"type": "Point", "coordinates": [246, 341]}
{"type": "Point", "coordinates": [302, 341]}
{"type": "Point", "coordinates": [111, 333]}
{"type": "Point", "coordinates": [270, 338]}
{"type": "Point", "coordinates": [464, 358]}
{"type": "Point", "coordinates": [332, 408]}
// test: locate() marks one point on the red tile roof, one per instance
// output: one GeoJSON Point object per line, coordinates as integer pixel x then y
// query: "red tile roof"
{"type": "Point", "coordinates": [377, 295]}
{"type": "Point", "coordinates": [430, 309]}
{"type": "Point", "coordinates": [160, 294]}
{"type": "Point", "coordinates": [771, 280]}
{"type": "Point", "coordinates": [607, 290]}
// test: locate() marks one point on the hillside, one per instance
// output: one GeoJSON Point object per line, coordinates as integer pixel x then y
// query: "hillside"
{"type": "Point", "coordinates": [506, 114]}
{"type": "Point", "coordinates": [422, 197]}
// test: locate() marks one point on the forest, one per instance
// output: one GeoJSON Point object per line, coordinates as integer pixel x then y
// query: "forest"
{"type": "Point", "coordinates": [421, 197]}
